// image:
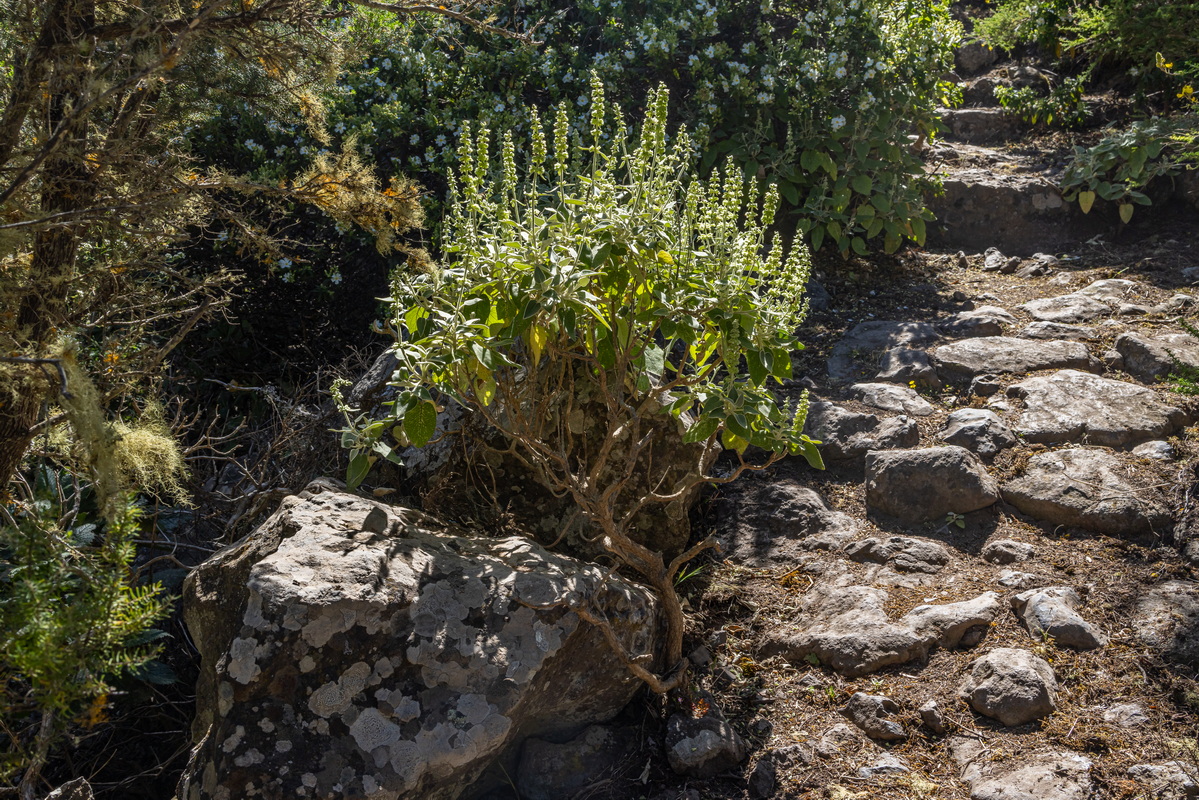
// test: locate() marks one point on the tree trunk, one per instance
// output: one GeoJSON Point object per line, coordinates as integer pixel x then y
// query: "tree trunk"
{"type": "Point", "coordinates": [66, 186]}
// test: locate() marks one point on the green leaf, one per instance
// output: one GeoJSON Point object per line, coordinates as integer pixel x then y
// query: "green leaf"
{"type": "Point", "coordinates": [862, 184]}
{"type": "Point", "coordinates": [732, 441]}
{"type": "Point", "coordinates": [817, 237]}
{"type": "Point", "coordinates": [789, 192]}
{"type": "Point", "coordinates": [807, 448]}
{"type": "Point", "coordinates": [360, 465]}
{"type": "Point", "coordinates": [420, 424]}
{"type": "Point", "coordinates": [858, 244]}
{"type": "Point", "coordinates": [605, 353]}
{"type": "Point", "coordinates": [758, 370]}
{"type": "Point", "coordinates": [1085, 201]}
{"type": "Point", "coordinates": [781, 366]}
{"type": "Point", "coordinates": [1126, 210]}
{"type": "Point", "coordinates": [655, 360]}
{"type": "Point", "coordinates": [701, 430]}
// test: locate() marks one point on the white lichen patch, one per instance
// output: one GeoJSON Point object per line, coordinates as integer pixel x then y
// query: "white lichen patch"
{"type": "Point", "coordinates": [243, 654]}
{"type": "Point", "coordinates": [336, 696]}
{"type": "Point", "coordinates": [266, 725]}
{"type": "Point", "coordinates": [282, 746]}
{"type": "Point", "coordinates": [253, 616]}
{"type": "Point", "coordinates": [307, 664]}
{"type": "Point", "coordinates": [372, 730]}
{"type": "Point", "coordinates": [328, 623]}
{"type": "Point", "coordinates": [224, 698]}
{"type": "Point", "coordinates": [249, 758]}
{"type": "Point", "coordinates": [230, 744]}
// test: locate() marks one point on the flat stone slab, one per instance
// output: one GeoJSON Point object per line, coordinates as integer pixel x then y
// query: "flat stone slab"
{"type": "Point", "coordinates": [847, 628]}
{"type": "Point", "coordinates": [863, 343]}
{"type": "Point", "coordinates": [999, 354]}
{"type": "Point", "coordinates": [890, 397]}
{"type": "Point", "coordinates": [1073, 406]}
{"type": "Point", "coordinates": [1167, 619]}
{"type": "Point", "coordinates": [1025, 776]}
{"type": "Point", "coordinates": [1099, 299]}
{"type": "Point", "coordinates": [981, 321]}
{"type": "Point", "coordinates": [927, 484]}
{"type": "Point", "coordinates": [1088, 489]}
{"type": "Point", "coordinates": [1056, 330]}
{"type": "Point", "coordinates": [1151, 358]}
{"type": "Point", "coordinates": [845, 434]}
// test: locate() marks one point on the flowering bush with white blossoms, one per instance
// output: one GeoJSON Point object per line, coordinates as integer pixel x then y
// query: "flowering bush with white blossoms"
{"type": "Point", "coordinates": [818, 95]}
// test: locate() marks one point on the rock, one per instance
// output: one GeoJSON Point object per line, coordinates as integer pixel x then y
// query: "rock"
{"type": "Point", "coordinates": [763, 780]}
{"type": "Point", "coordinates": [985, 385]}
{"type": "Point", "coordinates": [1036, 776]}
{"type": "Point", "coordinates": [999, 354]}
{"type": "Point", "coordinates": [1167, 619]}
{"type": "Point", "coordinates": [78, 789]}
{"type": "Point", "coordinates": [872, 714]}
{"type": "Point", "coordinates": [406, 662]}
{"type": "Point", "coordinates": [866, 340]}
{"type": "Point", "coordinates": [817, 296]}
{"type": "Point", "coordinates": [1056, 330]}
{"type": "Point", "coordinates": [980, 125]}
{"type": "Point", "coordinates": [980, 92]}
{"type": "Point", "coordinates": [703, 746]}
{"type": "Point", "coordinates": [1088, 489]}
{"type": "Point", "coordinates": [793, 755]}
{"type": "Point", "coordinates": [1006, 551]}
{"type": "Point", "coordinates": [1152, 358]}
{"type": "Point", "coordinates": [1177, 303]}
{"type": "Point", "coordinates": [1133, 310]}
{"type": "Point", "coordinates": [1113, 361]}
{"type": "Point", "coordinates": [840, 740]}
{"type": "Point", "coordinates": [994, 260]}
{"type": "Point", "coordinates": [1126, 715]}
{"type": "Point", "coordinates": [1014, 579]}
{"type": "Point", "coordinates": [1096, 300]}
{"type": "Point", "coordinates": [700, 656]}
{"type": "Point", "coordinates": [550, 771]}
{"type": "Point", "coordinates": [934, 720]}
{"type": "Point", "coordinates": [974, 57]}
{"type": "Point", "coordinates": [848, 630]}
{"type": "Point", "coordinates": [772, 521]}
{"type": "Point", "coordinates": [982, 321]}
{"type": "Point", "coordinates": [903, 553]}
{"type": "Point", "coordinates": [978, 430]}
{"type": "Point", "coordinates": [1010, 685]}
{"type": "Point", "coordinates": [1052, 612]}
{"type": "Point", "coordinates": [847, 435]}
{"type": "Point", "coordinates": [907, 365]}
{"type": "Point", "coordinates": [1170, 780]}
{"type": "Point", "coordinates": [1072, 406]}
{"type": "Point", "coordinates": [883, 765]}
{"type": "Point", "coordinates": [890, 397]}
{"type": "Point", "coordinates": [1156, 450]}
{"type": "Point", "coordinates": [921, 485]}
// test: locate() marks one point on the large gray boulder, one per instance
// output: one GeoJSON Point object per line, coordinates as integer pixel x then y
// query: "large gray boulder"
{"type": "Point", "coordinates": [1089, 489]}
{"type": "Point", "coordinates": [350, 649]}
{"type": "Point", "coordinates": [921, 485]}
{"type": "Point", "coordinates": [847, 629]}
{"type": "Point", "coordinates": [1011, 685]}
{"type": "Point", "coordinates": [1151, 358]}
{"type": "Point", "coordinates": [1007, 354]}
{"type": "Point", "coordinates": [1073, 406]}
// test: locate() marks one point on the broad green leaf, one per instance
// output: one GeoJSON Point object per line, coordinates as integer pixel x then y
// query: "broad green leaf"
{"type": "Point", "coordinates": [605, 353]}
{"type": "Point", "coordinates": [807, 448]}
{"type": "Point", "coordinates": [758, 370]}
{"type": "Point", "coordinates": [862, 184]}
{"type": "Point", "coordinates": [360, 465]}
{"type": "Point", "coordinates": [420, 424]}
{"type": "Point", "coordinates": [655, 360]}
{"type": "Point", "coordinates": [789, 192]}
{"type": "Point", "coordinates": [701, 430]}
{"type": "Point", "coordinates": [1085, 201]}
{"type": "Point", "coordinates": [537, 337]}
{"type": "Point", "coordinates": [732, 441]}
{"type": "Point", "coordinates": [1126, 210]}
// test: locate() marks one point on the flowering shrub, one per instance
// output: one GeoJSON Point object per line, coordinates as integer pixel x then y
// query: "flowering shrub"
{"type": "Point", "coordinates": [595, 304]}
{"type": "Point", "coordinates": [818, 95]}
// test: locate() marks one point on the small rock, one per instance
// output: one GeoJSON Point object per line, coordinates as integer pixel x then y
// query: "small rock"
{"type": "Point", "coordinates": [890, 397]}
{"type": "Point", "coordinates": [867, 339]}
{"type": "Point", "coordinates": [774, 521]}
{"type": "Point", "coordinates": [963, 263]}
{"type": "Point", "coordinates": [1014, 579]}
{"type": "Point", "coordinates": [985, 385]}
{"type": "Point", "coordinates": [1126, 715]}
{"type": "Point", "coordinates": [1010, 685]}
{"type": "Point", "coordinates": [993, 260]}
{"type": "Point", "coordinates": [902, 552]}
{"type": "Point", "coordinates": [1132, 310]}
{"type": "Point", "coordinates": [763, 779]}
{"type": "Point", "coordinates": [974, 57]}
{"type": "Point", "coordinates": [1056, 330]}
{"type": "Point", "coordinates": [982, 321]}
{"type": "Point", "coordinates": [1007, 551]}
{"type": "Point", "coordinates": [885, 764]}
{"type": "Point", "coordinates": [703, 746]}
{"type": "Point", "coordinates": [1171, 780]}
{"type": "Point", "coordinates": [1052, 611]}
{"type": "Point", "coordinates": [871, 713]}
{"type": "Point", "coordinates": [979, 431]}
{"type": "Point", "coordinates": [1088, 489]}
{"type": "Point", "coordinates": [839, 740]}
{"type": "Point", "coordinates": [906, 365]}
{"type": "Point", "coordinates": [848, 435]}
{"type": "Point", "coordinates": [1083, 305]}
{"type": "Point", "coordinates": [1179, 302]}
{"type": "Point", "coordinates": [921, 485]}
{"type": "Point", "coordinates": [934, 720]}
{"type": "Point", "coordinates": [701, 656]}
{"type": "Point", "coordinates": [1167, 619]}
{"type": "Point", "coordinates": [817, 296]}
{"type": "Point", "coordinates": [793, 755]}
{"type": "Point", "coordinates": [1037, 776]}
{"type": "Point", "coordinates": [1156, 450]}
{"type": "Point", "coordinates": [1005, 354]}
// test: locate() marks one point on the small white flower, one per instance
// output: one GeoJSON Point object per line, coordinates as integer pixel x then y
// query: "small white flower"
{"type": "Point", "coordinates": [841, 72]}
{"type": "Point", "coordinates": [763, 97]}
{"type": "Point", "coordinates": [414, 139]}
{"type": "Point", "coordinates": [499, 107]}
{"type": "Point", "coordinates": [280, 150]}
{"type": "Point", "coordinates": [440, 141]}
{"type": "Point", "coordinates": [387, 63]}
{"type": "Point", "coordinates": [838, 122]}
{"type": "Point", "coordinates": [335, 278]}
{"type": "Point", "coordinates": [582, 101]}
{"type": "Point", "coordinates": [284, 263]}
{"type": "Point", "coordinates": [839, 20]}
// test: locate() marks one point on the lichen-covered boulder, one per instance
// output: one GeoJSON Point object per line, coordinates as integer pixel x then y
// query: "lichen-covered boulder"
{"type": "Point", "coordinates": [356, 650]}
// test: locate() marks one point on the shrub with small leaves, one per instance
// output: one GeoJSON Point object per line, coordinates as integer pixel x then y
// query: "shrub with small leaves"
{"type": "Point", "coordinates": [606, 274]}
